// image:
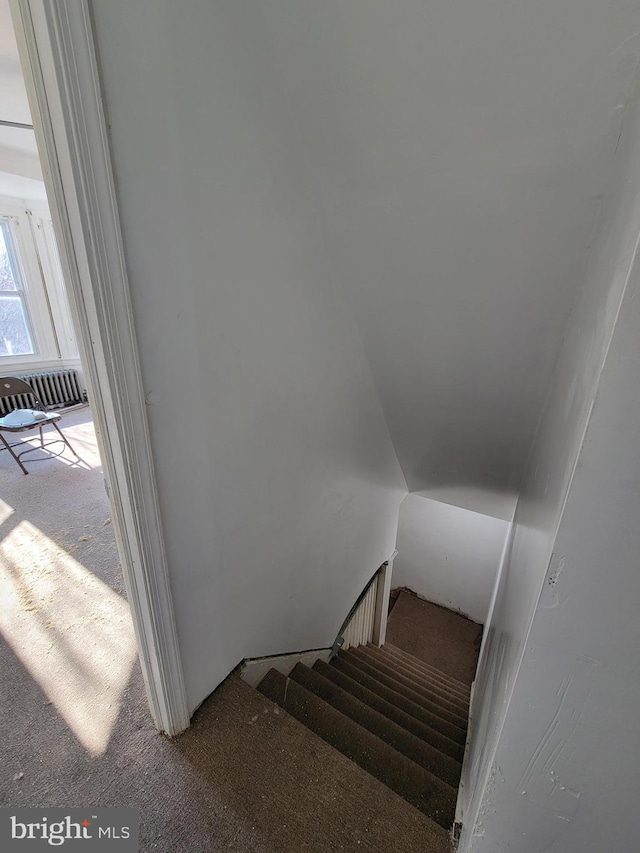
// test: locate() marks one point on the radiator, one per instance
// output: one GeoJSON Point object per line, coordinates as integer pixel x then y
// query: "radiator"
{"type": "Point", "coordinates": [55, 389]}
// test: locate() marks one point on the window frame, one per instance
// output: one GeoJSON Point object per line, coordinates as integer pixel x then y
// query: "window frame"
{"type": "Point", "coordinates": [19, 289]}
{"type": "Point", "coordinates": [35, 298]}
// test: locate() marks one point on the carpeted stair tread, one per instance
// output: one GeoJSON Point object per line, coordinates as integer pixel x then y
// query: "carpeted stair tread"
{"type": "Point", "coordinates": [393, 712]}
{"type": "Point", "coordinates": [400, 698]}
{"type": "Point", "coordinates": [433, 693]}
{"type": "Point", "coordinates": [427, 668]}
{"type": "Point", "coordinates": [431, 675]}
{"type": "Point", "coordinates": [378, 724]}
{"type": "Point", "coordinates": [430, 795]}
{"type": "Point", "coordinates": [450, 712]}
{"type": "Point", "coordinates": [425, 664]}
{"type": "Point", "coordinates": [254, 779]}
{"type": "Point", "coordinates": [429, 682]}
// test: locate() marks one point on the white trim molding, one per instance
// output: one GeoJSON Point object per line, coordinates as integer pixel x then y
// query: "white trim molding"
{"type": "Point", "coordinates": [58, 54]}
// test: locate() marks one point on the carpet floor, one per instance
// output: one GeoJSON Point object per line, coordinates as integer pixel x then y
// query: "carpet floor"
{"type": "Point", "coordinates": [75, 723]}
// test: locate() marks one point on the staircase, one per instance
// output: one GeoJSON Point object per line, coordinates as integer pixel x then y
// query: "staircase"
{"type": "Point", "coordinates": [397, 717]}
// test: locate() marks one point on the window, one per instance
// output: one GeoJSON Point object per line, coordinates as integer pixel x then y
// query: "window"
{"type": "Point", "coordinates": [36, 329]}
{"type": "Point", "coordinates": [15, 331]}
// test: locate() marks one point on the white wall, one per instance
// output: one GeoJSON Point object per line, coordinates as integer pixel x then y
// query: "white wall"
{"type": "Point", "coordinates": [18, 190]}
{"type": "Point", "coordinates": [23, 200]}
{"type": "Point", "coordinates": [571, 737]}
{"type": "Point", "coordinates": [18, 151]}
{"type": "Point", "coordinates": [449, 555]}
{"type": "Point", "coordinates": [278, 484]}
{"type": "Point", "coordinates": [550, 768]}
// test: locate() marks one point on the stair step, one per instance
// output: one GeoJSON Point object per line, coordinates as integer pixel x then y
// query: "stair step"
{"type": "Point", "coordinates": [433, 701]}
{"type": "Point", "coordinates": [430, 678]}
{"type": "Point", "coordinates": [427, 682]}
{"type": "Point", "coordinates": [435, 694]}
{"type": "Point", "coordinates": [403, 741]}
{"type": "Point", "coordinates": [400, 699]}
{"type": "Point", "coordinates": [433, 797]}
{"type": "Point", "coordinates": [426, 733]}
{"type": "Point", "coordinates": [457, 687]}
{"type": "Point", "coordinates": [427, 667]}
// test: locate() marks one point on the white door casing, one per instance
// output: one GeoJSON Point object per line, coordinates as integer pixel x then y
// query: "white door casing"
{"type": "Point", "coordinates": [59, 61]}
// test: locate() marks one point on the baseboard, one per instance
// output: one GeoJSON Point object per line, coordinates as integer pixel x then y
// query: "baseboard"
{"type": "Point", "coordinates": [395, 592]}
{"type": "Point", "coordinates": [253, 670]}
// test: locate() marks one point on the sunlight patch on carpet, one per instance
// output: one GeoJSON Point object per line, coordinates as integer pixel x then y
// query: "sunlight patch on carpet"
{"type": "Point", "coordinates": [70, 630]}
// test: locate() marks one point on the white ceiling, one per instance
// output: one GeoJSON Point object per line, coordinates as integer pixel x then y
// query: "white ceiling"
{"type": "Point", "coordinates": [459, 151]}
{"type": "Point", "coordinates": [18, 151]}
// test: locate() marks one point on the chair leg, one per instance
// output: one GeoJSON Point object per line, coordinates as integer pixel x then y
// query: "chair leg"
{"type": "Point", "coordinates": [66, 441]}
{"type": "Point", "coordinates": [10, 449]}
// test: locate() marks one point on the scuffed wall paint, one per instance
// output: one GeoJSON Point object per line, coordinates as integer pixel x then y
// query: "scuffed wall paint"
{"type": "Point", "coordinates": [566, 754]}
{"type": "Point", "coordinates": [550, 595]}
{"type": "Point", "coordinates": [553, 719]}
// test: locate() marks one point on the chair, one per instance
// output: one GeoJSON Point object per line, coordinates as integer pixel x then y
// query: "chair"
{"type": "Point", "coordinates": [22, 420]}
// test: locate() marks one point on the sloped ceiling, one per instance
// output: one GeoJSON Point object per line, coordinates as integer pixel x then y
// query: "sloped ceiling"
{"type": "Point", "coordinates": [459, 151]}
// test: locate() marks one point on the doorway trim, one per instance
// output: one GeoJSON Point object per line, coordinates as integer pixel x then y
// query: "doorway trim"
{"type": "Point", "coordinates": [57, 50]}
